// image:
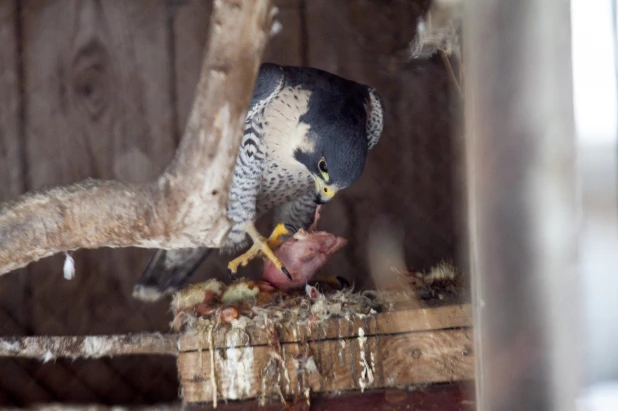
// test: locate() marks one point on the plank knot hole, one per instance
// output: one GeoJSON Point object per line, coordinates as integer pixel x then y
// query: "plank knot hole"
{"type": "Point", "coordinates": [90, 78]}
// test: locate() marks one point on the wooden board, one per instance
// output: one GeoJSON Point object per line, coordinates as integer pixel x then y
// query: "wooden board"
{"type": "Point", "coordinates": [98, 105]}
{"type": "Point", "coordinates": [190, 23]}
{"type": "Point", "coordinates": [13, 315]}
{"type": "Point", "coordinates": [11, 179]}
{"type": "Point", "coordinates": [107, 87]}
{"type": "Point", "coordinates": [441, 397]}
{"type": "Point", "coordinates": [449, 316]}
{"type": "Point", "coordinates": [97, 86]}
{"type": "Point", "coordinates": [387, 350]}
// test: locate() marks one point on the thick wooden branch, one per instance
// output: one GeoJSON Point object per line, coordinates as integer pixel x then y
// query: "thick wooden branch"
{"type": "Point", "coordinates": [186, 205]}
{"type": "Point", "coordinates": [88, 214]}
{"type": "Point", "coordinates": [96, 346]}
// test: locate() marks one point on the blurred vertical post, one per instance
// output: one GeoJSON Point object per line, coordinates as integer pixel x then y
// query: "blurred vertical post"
{"type": "Point", "coordinates": [522, 199]}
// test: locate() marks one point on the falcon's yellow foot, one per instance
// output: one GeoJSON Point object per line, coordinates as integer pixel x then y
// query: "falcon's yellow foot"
{"type": "Point", "coordinates": [260, 246]}
{"type": "Point", "coordinates": [275, 239]}
{"type": "Point", "coordinates": [243, 259]}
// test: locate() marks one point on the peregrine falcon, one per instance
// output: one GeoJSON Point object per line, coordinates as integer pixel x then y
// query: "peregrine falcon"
{"type": "Point", "coordinates": [306, 137]}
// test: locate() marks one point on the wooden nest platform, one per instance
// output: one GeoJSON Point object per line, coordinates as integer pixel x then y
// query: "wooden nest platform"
{"type": "Point", "coordinates": [246, 342]}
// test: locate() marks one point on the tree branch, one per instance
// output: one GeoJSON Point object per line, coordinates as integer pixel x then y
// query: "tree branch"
{"type": "Point", "coordinates": [93, 346]}
{"type": "Point", "coordinates": [186, 205]}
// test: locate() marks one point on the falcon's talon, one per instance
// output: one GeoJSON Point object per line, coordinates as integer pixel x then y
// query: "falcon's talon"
{"type": "Point", "coordinates": [231, 273]}
{"type": "Point", "coordinates": [286, 272]}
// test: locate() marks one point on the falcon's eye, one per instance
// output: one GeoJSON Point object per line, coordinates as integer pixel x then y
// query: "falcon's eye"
{"type": "Point", "coordinates": [323, 168]}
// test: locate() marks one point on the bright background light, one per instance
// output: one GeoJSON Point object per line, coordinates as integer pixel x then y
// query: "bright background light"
{"type": "Point", "coordinates": [594, 71]}
{"type": "Point", "coordinates": [596, 110]}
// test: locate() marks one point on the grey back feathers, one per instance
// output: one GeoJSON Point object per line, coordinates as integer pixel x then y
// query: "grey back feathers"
{"type": "Point", "coordinates": [267, 85]}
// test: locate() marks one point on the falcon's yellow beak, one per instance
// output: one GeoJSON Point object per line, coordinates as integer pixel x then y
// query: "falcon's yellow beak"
{"type": "Point", "coordinates": [323, 191]}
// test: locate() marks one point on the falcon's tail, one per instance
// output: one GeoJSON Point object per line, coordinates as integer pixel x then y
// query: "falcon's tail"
{"type": "Point", "coordinates": [167, 272]}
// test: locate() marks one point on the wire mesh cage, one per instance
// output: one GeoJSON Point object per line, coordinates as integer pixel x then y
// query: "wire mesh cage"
{"type": "Point", "coordinates": [103, 90]}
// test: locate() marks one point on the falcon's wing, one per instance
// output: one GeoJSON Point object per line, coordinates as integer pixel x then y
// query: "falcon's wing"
{"type": "Point", "coordinates": [268, 83]}
{"type": "Point", "coordinates": [250, 162]}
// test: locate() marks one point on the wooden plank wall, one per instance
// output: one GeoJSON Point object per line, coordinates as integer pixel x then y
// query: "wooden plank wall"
{"type": "Point", "coordinates": [12, 180]}
{"type": "Point", "coordinates": [102, 88]}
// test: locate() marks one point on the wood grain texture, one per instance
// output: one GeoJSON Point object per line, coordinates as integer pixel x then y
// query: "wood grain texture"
{"type": "Point", "coordinates": [95, 72]}
{"type": "Point", "coordinates": [13, 306]}
{"type": "Point", "coordinates": [90, 346]}
{"type": "Point", "coordinates": [190, 25]}
{"type": "Point", "coordinates": [11, 179]}
{"type": "Point", "coordinates": [98, 87]}
{"type": "Point", "coordinates": [99, 74]}
{"type": "Point", "coordinates": [440, 397]}
{"type": "Point", "coordinates": [396, 322]}
{"type": "Point", "coordinates": [86, 71]}
{"type": "Point", "coordinates": [182, 207]}
{"type": "Point", "coordinates": [97, 78]}
{"type": "Point", "coordinates": [98, 84]}
{"type": "Point", "coordinates": [190, 21]}
{"type": "Point", "coordinates": [346, 364]}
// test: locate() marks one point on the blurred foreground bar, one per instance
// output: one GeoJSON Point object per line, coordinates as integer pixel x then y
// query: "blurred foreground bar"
{"type": "Point", "coordinates": [522, 202]}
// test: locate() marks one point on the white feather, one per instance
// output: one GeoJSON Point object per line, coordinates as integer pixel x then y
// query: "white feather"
{"type": "Point", "coordinates": [69, 267]}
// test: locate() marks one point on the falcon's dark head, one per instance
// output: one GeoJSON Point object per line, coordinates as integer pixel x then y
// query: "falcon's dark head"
{"type": "Point", "coordinates": [345, 121]}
